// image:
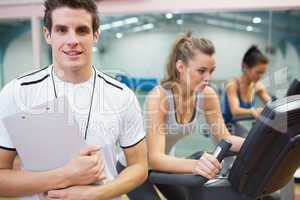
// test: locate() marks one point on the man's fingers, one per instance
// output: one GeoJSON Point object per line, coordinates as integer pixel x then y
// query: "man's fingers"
{"type": "Point", "coordinates": [89, 150]}
{"type": "Point", "coordinates": [101, 171]}
{"type": "Point", "coordinates": [56, 194]}
{"type": "Point", "coordinates": [102, 177]}
{"type": "Point", "coordinates": [49, 198]}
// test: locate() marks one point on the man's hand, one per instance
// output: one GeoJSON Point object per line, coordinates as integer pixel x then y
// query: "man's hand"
{"type": "Point", "coordinates": [72, 193]}
{"type": "Point", "coordinates": [87, 168]}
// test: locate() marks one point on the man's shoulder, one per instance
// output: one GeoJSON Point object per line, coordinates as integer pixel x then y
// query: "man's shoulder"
{"type": "Point", "coordinates": [111, 83]}
{"type": "Point", "coordinates": [29, 78]}
{"type": "Point", "coordinates": [116, 94]}
{"type": "Point", "coordinates": [34, 76]}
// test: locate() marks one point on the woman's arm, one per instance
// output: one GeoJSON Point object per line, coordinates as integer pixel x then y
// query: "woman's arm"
{"type": "Point", "coordinates": [157, 108]}
{"type": "Point", "coordinates": [262, 92]}
{"type": "Point", "coordinates": [215, 119]}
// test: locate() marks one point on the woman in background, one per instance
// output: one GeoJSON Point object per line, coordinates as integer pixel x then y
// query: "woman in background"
{"type": "Point", "coordinates": [239, 92]}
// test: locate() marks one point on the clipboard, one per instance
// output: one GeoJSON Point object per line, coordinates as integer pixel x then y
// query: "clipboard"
{"type": "Point", "coordinates": [46, 137]}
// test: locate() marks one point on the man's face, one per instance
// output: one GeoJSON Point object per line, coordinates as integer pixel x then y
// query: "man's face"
{"type": "Point", "coordinates": [71, 38]}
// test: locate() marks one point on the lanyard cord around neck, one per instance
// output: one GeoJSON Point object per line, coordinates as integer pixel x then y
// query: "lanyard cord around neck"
{"type": "Point", "coordinates": [91, 103]}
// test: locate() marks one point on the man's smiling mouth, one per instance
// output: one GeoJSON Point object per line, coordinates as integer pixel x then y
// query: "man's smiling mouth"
{"type": "Point", "coordinates": [73, 53]}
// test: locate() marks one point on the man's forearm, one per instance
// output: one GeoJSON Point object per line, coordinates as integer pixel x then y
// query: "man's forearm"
{"type": "Point", "coordinates": [128, 179]}
{"type": "Point", "coordinates": [23, 183]}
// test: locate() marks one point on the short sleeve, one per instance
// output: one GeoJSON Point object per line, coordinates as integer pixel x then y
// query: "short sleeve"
{"type": "Point", "coordinates": [7, 107]}
{"type": "Point", "coordinates": [132, 129]}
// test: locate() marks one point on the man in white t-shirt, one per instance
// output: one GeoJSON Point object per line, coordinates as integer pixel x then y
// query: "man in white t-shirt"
{"type": "Point", "coordinates": [106, 111]}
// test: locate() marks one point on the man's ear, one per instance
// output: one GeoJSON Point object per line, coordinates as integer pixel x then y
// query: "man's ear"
{"type": "Point", "coordinates": [47, 35]}
{"type": "Point", "coordinates": [96, 36]}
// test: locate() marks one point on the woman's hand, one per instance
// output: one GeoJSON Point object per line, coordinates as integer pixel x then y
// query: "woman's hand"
{"type": "Point", "coordinates": [207, 166]}
{"type": "Point", "coordinates": [256, 112]}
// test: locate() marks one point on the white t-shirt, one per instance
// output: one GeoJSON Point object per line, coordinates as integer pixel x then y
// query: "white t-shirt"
{"type": "Point", "coordinates": [115, 116]}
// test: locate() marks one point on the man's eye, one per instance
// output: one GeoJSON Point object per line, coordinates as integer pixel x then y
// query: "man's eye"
{"type": "Point", "coordinates": [83, 30]}
{"type": "Point", "coordinates": [61, 30]}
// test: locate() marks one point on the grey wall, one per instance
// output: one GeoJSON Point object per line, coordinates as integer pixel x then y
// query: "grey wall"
{"type": "Point", "coordinates": [145, 54]}
{"type": "Point", "coordinates": [18, 57]}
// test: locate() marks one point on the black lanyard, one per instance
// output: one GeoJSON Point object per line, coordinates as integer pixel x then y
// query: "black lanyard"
{"type": "Point", "coordinates": [91, 103]}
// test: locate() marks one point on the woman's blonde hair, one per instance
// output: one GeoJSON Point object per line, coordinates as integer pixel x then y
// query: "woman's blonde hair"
{"type": "Point", "coordinates": [183, 49]}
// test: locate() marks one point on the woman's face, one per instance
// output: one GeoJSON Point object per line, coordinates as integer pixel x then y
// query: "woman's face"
{"type": "Point", "coordinates": [196, 73]}
{"type": "Point", "coordinates": [257, 72]}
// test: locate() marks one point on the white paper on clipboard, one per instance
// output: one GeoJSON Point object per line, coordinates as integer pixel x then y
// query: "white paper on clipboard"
{"type": "Point", "coordinates": [45, 136]}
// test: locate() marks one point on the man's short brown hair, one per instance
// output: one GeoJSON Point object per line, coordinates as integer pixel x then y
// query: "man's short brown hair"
{"type": "Point", "coordinates": [88, 5]}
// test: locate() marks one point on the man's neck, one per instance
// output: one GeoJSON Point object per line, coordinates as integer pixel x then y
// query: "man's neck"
{"type": "Point", "coordinates": [74, 76]}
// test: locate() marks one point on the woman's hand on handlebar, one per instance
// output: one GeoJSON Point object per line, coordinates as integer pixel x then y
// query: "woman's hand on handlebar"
{"type": "Point", "coordinates": [207, 166]}
{"type": "Point", "coordinates": [256, 112]}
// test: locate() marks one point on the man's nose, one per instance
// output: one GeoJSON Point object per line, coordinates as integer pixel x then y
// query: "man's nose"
{"type": "Point", "coordinates": [72, 39]}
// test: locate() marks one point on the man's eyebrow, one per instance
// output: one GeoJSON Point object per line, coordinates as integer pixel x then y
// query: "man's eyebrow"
{"type": "Point", "coordinates": [60, 26]}
{"type": "Point", "coordinates": [83, 27]}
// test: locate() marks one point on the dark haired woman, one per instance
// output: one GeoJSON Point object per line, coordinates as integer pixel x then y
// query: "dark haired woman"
{"type": "Point", "coordinates": [239, 92]}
